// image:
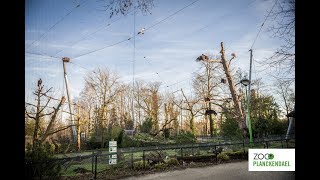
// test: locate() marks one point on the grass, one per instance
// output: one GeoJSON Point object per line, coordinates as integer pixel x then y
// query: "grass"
{"type": "Point", "coordinates": [88, 166]}
{"type": "Point", "coordinates": [137, 155]}
{"type": "Point", "coordinates": [277, 145]}
{"type": "Point", "coordinates": [177, 152]}
{"type": "Point", "coordinates": [74, 154]}
{"type": "Point", "coordinates": [70, 170]}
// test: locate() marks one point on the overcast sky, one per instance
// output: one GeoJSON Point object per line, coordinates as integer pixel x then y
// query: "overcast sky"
{"type": "Point", "coordinates": [166, 52]}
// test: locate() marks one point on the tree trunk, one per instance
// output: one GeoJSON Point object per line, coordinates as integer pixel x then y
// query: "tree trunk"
{"type": "Point", "coordinates": [52, 120]}
{"type": "Point", "coordinates": [79, 130]}
{"type": "Point", "coordinates": [192, 123]}
{"type": "Point", "coordinates": [210, 121]}
{"type": "Point", "coordinates": [79, 135]}
{"type": "Point", "coordinates": [103, 118]}
{"type": "Point", "coordinates": [37, 119]}
{"type": "Point", "coordinates": [232, 89]}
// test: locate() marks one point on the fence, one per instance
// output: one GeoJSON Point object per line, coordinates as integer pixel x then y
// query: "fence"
{"type": "Point", "coordinates": [138, 157]}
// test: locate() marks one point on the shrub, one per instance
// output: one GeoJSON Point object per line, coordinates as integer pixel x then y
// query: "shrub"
{"type": "Point", "coordinates": [185, 137]}
{"type": "Point", "coordinates": [187, 151]}
{"type": "Point", "coordinates": [160, 165]}
{"type": "Point", "coordinates": [155, 157]}
{"type": "Point", "coordinates": [223, 157]}
{"type": "Point", "coordinates": [229, 127]}
{"type": "Point", "coordinates": [39, 152]}
{"type": "Point", "coordinates": [80, 170]}
{"type": "Point", "coordinates": [93, 144]}
{"type": "Point", "coordinates": [128, 142]}
{"type": "Point", "coordinates": [237, 154]}
{"type": "Point", "coordinates": [39, 162]}
{"type": "Point", "coordinates": [113, 133]}
{"type": "Point", "coordinates": [63, 144]}
{"type": "Point", "coordinates": [143, 140]}
{"type": "Point", "coordinates": [172, 162]}
{"type": "Point", "coordinates": [146, 126]}
{"type": "Point", "coordinates": [120, 139]}
{"type": "Point", "coordinates": [139, 165]}
{"type": "Point", "coordinates": [201, 158]}
{"type": "Point", "coordinates": [218, 150]}
{"type": "Point", "coordinates": [166, 133]}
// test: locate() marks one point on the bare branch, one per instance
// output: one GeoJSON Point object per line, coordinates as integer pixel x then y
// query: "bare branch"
{"type": "Point", "coordinates": [45, 93]}
{"type": "Point", "coordinates": [58, 130]}
{"type": "Point", "coordinates": [230, 61]}
{"type": "Point", "coordinates": [30, 104]}
{"type": "Point", "coordinates": [52, 120]}
{"type": "Point", "coordinates": [32, 117]}
{"type": "Point", "coordinates": [124, 6]}
{"type": "Point", "coordinates": [45, 105]}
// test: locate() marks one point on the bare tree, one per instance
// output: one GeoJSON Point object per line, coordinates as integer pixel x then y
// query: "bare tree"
{"type": "Point", "coordinates": [105, 85]}
{"type": "Point", "coordinates": [284, 89]}
{"type": "Point", "coordinates": [283, 28]}
{"type": "Point", "coordinates": [124, 6]}
{"type": "Point", "coordinates": [123, 105]}
{"type": "Point", "coordinates": [42, 110]}
{"type": "Point", "coordinates": [87, 101]}
{"type": "Point", "coordinates": [142, 98]}
{"type": "Point", "coordinates": [156, 103]}
{"type": "Point", "coordinates": [147, 98]}
{"type": "Point", "coordinates": [191, 107]}
{"type": "Point", "coordinates": [171, 113]}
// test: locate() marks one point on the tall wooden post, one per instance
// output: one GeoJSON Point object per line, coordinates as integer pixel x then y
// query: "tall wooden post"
{"type": "Point", "coordinates": [73, 129]}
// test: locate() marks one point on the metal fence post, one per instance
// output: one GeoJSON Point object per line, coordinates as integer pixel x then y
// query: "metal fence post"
{"type": "Point", "coordinates": [144, 159]}
{"type": "Point", "coordinates": [41, 170]}
{"type": "Point", "coordinates": [92, 164]}
{"type": "Point", "coordinates": [95, 169]}
{"type": "Point", "coordinates": [181, 153]}
{"type": "Point", "coordinates": [267, 144]}
{"type": "Point", "coordinates": [215, 150]}
{"type": "Point", "coordinates": [244, 149]}
{"type": "Point", "coordinates": [287, 143]}
{"type": "Point", "coordinates": [192, 150]}
{"type": "Point", "coordinates": [281, 143]}
{"type": "Point", "coordinates": [131, 160]}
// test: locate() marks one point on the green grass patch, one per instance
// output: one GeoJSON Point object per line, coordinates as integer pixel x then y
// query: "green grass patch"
{"type": "Point", "coordinates": [75, 154]}
{"type": "Point", "coordinates": [70, 171]}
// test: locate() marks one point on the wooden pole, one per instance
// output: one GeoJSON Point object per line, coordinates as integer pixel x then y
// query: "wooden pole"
{"type": "Point", "coordinates": [73, 130]}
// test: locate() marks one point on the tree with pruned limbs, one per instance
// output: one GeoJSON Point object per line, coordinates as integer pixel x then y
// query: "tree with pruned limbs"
{"type": "Point", "coordinates": [44, 110]}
